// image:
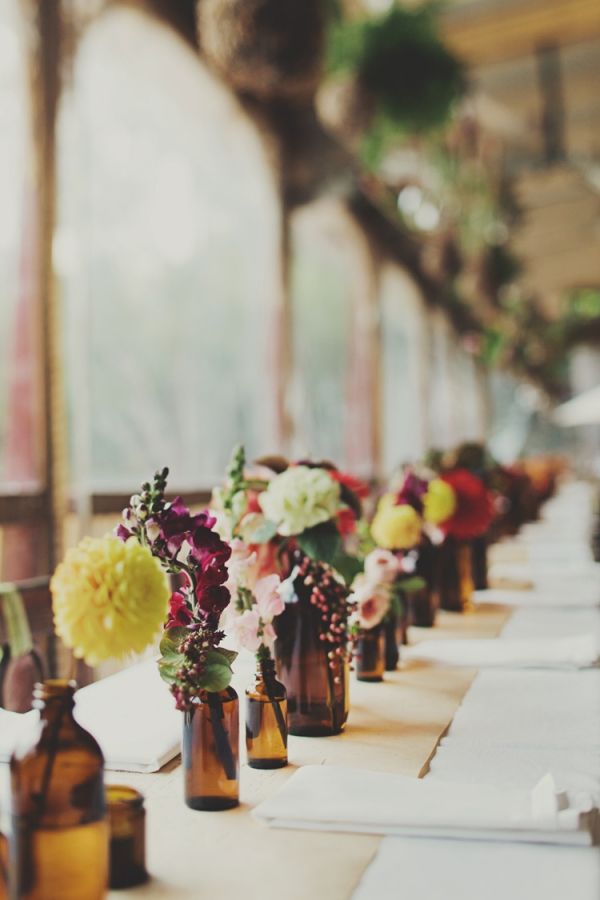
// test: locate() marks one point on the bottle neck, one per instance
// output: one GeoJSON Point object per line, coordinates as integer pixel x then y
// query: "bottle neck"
{"type": "Point", "coordinates": [54, 699]}
{"type": "Point", "coordinates": [265, 667]}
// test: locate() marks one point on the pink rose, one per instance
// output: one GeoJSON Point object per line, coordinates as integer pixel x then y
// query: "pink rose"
{"type": "Point", "coordinates": [372, 601]}
{"type": "Point", "coordinates": [268, 600]}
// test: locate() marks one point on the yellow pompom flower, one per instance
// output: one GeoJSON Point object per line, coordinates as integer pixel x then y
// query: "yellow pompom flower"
{"type": "Point", "coordinates": [396, 527]}
{"type": "Point", "coordinates": [439, 502]}
{"type": "Point", "coordinates": [109, 598]}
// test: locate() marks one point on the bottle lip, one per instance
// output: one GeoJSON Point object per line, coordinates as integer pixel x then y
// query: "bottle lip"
{"type": "Point", "coordinates": [53, 688]}
{"type": "Point", "coordinates": [119, 796]}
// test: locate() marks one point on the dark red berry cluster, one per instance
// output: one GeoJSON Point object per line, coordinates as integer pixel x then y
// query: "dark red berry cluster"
{"type": "Point", "coordinates": [330, 597]}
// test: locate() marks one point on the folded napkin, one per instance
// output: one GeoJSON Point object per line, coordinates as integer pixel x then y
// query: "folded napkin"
{"type": "Point", "coordinates": [577, 652]}
{"type": "Point", "coordinates": [329, 798]}
{"type": "Point", "coordinates": [131, 715]}
{"type": "Point", "coordinates": [544, 597]}
{"type": "Point", "coordinates": [426, 869]}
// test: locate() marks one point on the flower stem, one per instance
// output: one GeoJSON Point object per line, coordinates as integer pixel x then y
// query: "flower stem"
{"type": "Point", "coordinates": [222, 743]}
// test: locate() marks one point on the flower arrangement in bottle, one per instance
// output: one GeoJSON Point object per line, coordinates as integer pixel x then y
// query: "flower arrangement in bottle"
{"type": "Point", "coordinates": [193, 663]}
{"type": "Point", "coordinates": [295, 517]}
{"type": "Point", "coordinates": [248, 621]}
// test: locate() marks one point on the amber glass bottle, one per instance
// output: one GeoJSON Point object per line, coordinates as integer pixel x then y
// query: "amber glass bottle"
{"type": "Point", "coordinates": [210, 751]}
{"type": "Point", "coordinates": [424, 603]}
{"type": "Point", "coordinates": [456, 577]}
{"type": "Point", "coordinates": [266, 718]}
{"type": "Point", "coordinates": [317, 691]}
{"type": "Point", "coordinates": [479, 546]}
{"type": "Point", "coordinates": [369, 654]}
{"type": "Point", "coordinates": [393, 638]}
{"type": "Point", "coordinates": [59, 835]}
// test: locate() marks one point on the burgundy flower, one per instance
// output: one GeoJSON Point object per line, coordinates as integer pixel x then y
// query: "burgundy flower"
{"type": "Point", "coordinates": [412, 492]}
{"type": "Point", "coordinates": [177, 524]}
{"type": "Point", "coordinates": [179, 611]}
{"type": "Point", "coordinates": [212, 601]}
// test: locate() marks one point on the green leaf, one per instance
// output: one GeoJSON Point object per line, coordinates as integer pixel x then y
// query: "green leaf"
{"type": "Point", "coordinates": [321, 543]}
{"type": "Point", "coordinates": [168, 668]}
{"type": "Point", "coordinates": [171, 642]}
{"type": "Point", "coordinates": [265, 532]}
{"type": "Point", "coordinates": [347, 565]}
{"type": "Point", "coordinates": [230, 655]}
{"type": "Point", "coordinates": [217, 671]}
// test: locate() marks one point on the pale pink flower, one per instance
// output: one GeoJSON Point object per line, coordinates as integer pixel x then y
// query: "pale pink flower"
{"type": "Point", "coordinates": [381, 565]}
{"type": "Point", "coordinates": [268, 600]}
{"type": "Point", "coordinates": [269, 636]}
{"type": "Point", "coordinates": [241, 567]}
{"type": "Point", "coordinates": [244, 629]}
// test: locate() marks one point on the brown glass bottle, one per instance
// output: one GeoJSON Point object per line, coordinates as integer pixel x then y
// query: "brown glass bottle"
{"type": "Point", "coordinates": [424, 603]}
{"type": "Point", "coordinates": [456, 576]}
{"type": "Point", "coordinates": [317, 688]}
{"type": "Point", "coordinates": [479, 547]}
{"type": "Point", "coordinates": [210, 751]}
{"type": "Point", "coordinates": [59, 835]}
{"type": "Point", "coordinates": [369, 654]}
{"type": "Point", "coordinates": [393, 639]}
{"type": "Point", "coordinates": [266, 719]}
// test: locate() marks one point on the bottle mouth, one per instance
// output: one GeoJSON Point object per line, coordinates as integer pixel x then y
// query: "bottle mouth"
{"type": "Point", "coordinates": [53, 689]}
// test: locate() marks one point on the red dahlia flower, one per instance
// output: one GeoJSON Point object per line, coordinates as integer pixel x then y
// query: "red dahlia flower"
{"type": "Point", "coordinates": [474, 507]}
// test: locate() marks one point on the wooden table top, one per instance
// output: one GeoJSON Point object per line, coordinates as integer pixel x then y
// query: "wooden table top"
{"type": "Point", "coordinates": [393, 726]}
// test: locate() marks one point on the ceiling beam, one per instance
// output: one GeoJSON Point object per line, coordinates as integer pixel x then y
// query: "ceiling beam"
{"type": "Point", "coordinates": [508, 31]}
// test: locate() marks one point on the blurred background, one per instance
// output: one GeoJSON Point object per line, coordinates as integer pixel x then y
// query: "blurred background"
{"type": "Point", "coordinates": [355, 229]}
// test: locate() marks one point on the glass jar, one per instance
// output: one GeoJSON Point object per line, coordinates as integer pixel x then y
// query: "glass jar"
{"type": "Point", "coordinates": [59, 836]}
{"type": "Point", "coordinates": [210, 751]}
{"type": "Point", "coordinates": [369, 654]}
{"type": "Point", "coordinates": [266, 719]}
{"type": "Point", "coordinates": [127, 820]}
{"type": "Point", "coordinates": [316, 686]}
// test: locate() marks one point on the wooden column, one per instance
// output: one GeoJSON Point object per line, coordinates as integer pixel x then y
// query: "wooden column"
{"type": "Point", "coordinates": [44, 38]}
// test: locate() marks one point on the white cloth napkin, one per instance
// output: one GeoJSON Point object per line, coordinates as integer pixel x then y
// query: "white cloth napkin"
{"type": "Point", "coordinates": [131, 714]}
{"type": "Point", "coordinates": [330, 798]}
{"type": "Point", "coordinates": [426, 869]}
{"type": "Point", "coordinates": [580, 651]}
{"type": "Point", "coordinates": [540, 598]}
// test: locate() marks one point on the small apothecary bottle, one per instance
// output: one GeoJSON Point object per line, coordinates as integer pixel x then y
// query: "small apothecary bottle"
{"type": "Point", "coordinates": [59, 837]}
{"type": "Point", "coordinates": [127, 820]}
{"type": "Point", "coordinates": [210, 751]}
{"type": "Point", "coordinates": [266, 717]}
{"type": "Point", "coordinates": [369, 654]}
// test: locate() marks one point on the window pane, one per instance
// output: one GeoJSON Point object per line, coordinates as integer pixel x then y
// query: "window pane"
{"type": "Point", "coordinates": [20, 451]}
{"type": "Point", "coordinates": [404, 360]}
{"type": "Point", "coordinates": [332, 322]}
{"type": "Point", "coordinates": [169, 254]}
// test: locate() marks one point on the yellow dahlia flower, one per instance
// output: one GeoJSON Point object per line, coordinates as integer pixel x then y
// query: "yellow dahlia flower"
{"type": "Point", "coordinates": [396, 527]}
{"type": "Point", "coordinates": [109, 598]}
{"type": "Point", "coordinates": [439, 502]}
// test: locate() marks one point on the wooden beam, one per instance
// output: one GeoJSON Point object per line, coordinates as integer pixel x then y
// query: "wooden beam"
{"type": "Point", "coordinates": [512, 30]}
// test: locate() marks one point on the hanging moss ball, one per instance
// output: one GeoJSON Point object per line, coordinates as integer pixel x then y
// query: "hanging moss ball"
{"type": "Point", "coordinates": [265, 48]}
